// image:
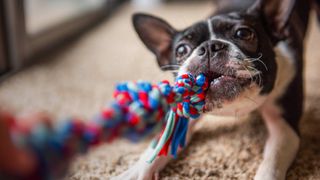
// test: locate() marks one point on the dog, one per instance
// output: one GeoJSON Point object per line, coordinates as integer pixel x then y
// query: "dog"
{"type": "Point", "coordinates": [249, 49]}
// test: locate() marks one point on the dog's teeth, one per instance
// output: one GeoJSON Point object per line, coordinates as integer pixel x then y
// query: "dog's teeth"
{"type": "Point", "coordinates": [215, 82]}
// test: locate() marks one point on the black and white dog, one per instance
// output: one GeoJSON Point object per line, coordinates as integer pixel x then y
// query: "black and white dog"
{"type": "Point", "coordinates": [251, 51]}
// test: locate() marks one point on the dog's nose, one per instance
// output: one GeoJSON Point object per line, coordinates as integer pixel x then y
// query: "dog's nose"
{"type": "Point", "coordinates": [211, 47]}
{"type": "Point", "coordinates": [216, 46]}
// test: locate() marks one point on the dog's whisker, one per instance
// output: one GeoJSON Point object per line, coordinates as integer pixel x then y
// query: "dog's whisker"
{"type": "Point", "coordinates": [258, 60]}
{"type": "Point", "coordinates": [253, 58]}
{"type": "Point", "coordinates": [247, 97]}
{"type": "Point", "coordinates": [259, 74]}
{"type": "Point", "coordinates": [170, 67]}
{"type": "Point", "coordinates": [250, 74]}
{"type": "Point", "coordinates": [260, 80]}
{"type": "Point", "coordinates": [252, 68]}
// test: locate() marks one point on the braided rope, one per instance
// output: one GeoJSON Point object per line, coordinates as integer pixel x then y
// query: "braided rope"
{"type": "Point", "coordinates": [138, 109]}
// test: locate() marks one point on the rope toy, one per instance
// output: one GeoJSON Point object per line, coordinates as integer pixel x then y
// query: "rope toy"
{"type": "Point", "coordinates": [138, 109]}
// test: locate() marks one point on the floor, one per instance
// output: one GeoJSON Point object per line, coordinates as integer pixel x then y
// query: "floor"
{"type": "Point", "coordinates": [79, 81]}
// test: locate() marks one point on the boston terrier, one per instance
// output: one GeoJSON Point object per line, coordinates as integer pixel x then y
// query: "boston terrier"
{"type": "Point", "coordinates": [249, 49]}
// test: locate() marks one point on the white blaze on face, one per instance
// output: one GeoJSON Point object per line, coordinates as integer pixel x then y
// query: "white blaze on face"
{"type": "Point", "coordinates": [233, 49]}
{"type": "Point", "coordinates": [212, 35]}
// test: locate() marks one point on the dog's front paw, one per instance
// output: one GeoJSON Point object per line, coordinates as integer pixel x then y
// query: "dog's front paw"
{"type": "Point", "coordinates": [141, 170]}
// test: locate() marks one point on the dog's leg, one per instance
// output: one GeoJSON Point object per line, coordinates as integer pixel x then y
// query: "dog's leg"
{"type": "Point", "coordinates": [142, 170]}
{"type": "Point", "coordinates": [281, 146]}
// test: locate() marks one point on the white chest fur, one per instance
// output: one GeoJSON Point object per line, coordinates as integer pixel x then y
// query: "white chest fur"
{"type": "Point", "coordinates": [285, 72]}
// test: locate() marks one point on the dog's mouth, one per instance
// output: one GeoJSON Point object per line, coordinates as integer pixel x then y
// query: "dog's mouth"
{"type": "Point", "coordinates": [217, 80]}
{"type": "Point", "coordinates": [225, 87]}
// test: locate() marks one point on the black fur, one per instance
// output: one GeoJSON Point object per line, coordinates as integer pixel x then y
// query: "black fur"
{"type": "Point", "coordinates": [269, 26]}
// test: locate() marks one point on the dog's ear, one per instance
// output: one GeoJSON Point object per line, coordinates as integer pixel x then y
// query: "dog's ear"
{"type": "Point", "coordinates": [156, 34]}
{"type": "Point", "coordinates": [276, 13]}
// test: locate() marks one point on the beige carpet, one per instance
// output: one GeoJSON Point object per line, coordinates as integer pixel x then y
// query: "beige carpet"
{"type": "Point", "coordinates": [79, 80]}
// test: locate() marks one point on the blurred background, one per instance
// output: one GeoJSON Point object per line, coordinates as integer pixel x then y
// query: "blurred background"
{"type": "Point", "coordinates": [55, 51]}
{"type": "Point", "coordinates": [31, 27]}
{"type": "Point", "coordinates": [64, 57]}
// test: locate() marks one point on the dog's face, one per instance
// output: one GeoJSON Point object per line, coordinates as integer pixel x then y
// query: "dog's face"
{"type": "Point", "coordinates": [235, 51]}
{"type": "Point", "coordinates": [236, 55]}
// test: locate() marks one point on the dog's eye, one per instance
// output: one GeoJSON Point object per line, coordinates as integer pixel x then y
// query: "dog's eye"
{"type": "Point", "coordinates": [182, 51]}
{"type": "Point", "coordinates": [244, 34]}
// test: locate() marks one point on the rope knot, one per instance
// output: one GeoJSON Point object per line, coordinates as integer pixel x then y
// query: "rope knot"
{"type": "Point", "coordinates": [191, 92]}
